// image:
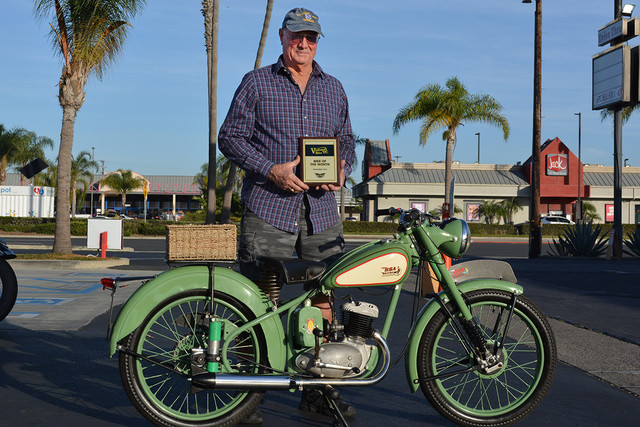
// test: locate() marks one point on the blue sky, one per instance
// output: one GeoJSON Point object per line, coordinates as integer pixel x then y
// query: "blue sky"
{"type": "Point", "coordinates": [149, 112]}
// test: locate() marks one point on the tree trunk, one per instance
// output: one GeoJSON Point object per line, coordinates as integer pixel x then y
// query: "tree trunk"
{"type": "Point", "coordinates": [448, 174]}
{"type": "Point", "coordinates": [62, 240]}
{"type": "Point", "coordinates": [225, 215]}
{"type": "Point", "coordinates": [210, 12]}
{"type": "Point", "coordinates": [73, 201]}
{"type": "Point", "coordinates": [3, 169]}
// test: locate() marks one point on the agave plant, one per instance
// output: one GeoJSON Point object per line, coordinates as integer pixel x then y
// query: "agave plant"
{"type": "Point", "coordinates": [580, 240]}
{"type": "Point", "coordinates": [633, 244]}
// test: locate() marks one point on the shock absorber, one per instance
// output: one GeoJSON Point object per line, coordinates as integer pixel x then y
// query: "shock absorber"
{"type": "Point", "coordinates": [213, 345]}
{"type": "Point", "coordinates": [269, 283]}
{"type": "Point", "coordinates": [474, 333]}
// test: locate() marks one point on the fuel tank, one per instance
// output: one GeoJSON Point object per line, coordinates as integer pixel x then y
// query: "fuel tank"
{"type": "Point", "coordinates": [381, 263]}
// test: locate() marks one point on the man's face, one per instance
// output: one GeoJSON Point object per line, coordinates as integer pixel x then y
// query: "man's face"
{"type": "Point", "coordinates": [298, 48]}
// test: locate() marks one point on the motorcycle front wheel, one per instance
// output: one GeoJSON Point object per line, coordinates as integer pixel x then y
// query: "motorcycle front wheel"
{"type": "Point", "coordinates": [477, 397]}
{"type": "Point", "coordinates": [8, 288]}
{"type": "Point", "coordinates": [168, 335]}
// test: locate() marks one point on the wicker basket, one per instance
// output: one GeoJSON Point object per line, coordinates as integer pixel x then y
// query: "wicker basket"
{"type": "Point", "coordinates": [201, 242]}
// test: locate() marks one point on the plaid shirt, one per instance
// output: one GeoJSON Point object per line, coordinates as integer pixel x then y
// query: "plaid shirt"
{"type": "Point", "coordinates": [267, 116]}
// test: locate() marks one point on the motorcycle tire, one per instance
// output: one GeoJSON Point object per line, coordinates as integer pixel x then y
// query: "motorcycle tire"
{"type": "Point", "coordinates": [479, 397]}
{"type": "Point", "coordinates": [168, 335]}
{"type": "Point", "coordinates": [8, 289]}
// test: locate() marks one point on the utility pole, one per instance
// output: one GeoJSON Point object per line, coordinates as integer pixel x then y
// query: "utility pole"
{"type": "Point", "coordinates": [535, 231]}
{"type": "Point", "coordinates": [617, 163]}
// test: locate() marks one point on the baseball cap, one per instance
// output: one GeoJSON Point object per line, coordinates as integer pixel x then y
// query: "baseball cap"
{"type": "Point", "coordinates": [300, 19]}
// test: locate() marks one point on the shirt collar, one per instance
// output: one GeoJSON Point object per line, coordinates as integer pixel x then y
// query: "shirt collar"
{"type": "Point", "coordinates": [279, 68]}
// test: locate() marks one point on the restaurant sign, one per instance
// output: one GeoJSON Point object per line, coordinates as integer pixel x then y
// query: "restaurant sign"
{"type": "Point", "coordinates": [557, 164]}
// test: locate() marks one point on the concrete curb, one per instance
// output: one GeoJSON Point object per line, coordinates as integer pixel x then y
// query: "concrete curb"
{"type": "Point", "coordinates": [68, 264]}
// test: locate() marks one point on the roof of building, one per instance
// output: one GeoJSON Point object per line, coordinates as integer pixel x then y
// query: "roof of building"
{"type": "Point", "coordinates": [158, 184]}
{"type": "Point", "coordinates": [412, 173]}
{"type": "Point", "coordinates": [433, 173]}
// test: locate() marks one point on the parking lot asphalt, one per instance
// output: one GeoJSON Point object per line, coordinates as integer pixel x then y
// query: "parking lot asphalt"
{"type": "Point", "coordinates": [54, 351]}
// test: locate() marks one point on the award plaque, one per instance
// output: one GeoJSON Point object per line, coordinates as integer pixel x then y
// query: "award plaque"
{"type": "Point", "coordinates": [319, 161]}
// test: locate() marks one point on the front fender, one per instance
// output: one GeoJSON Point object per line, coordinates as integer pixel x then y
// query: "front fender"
{"type": "Point", "coordinates": [193, 277]}
{"type": "Point", "coordinates": [432, 307]}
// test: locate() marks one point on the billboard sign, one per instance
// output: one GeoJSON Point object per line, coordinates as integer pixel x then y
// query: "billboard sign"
{"type": "Point", "coordinates": [611, 79]}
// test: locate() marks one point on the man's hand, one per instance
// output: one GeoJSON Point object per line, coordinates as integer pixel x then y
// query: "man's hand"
{"type": "Point", "coordinates": [341, 178]}
{"type": "Point", "coordinates": [284, 177]}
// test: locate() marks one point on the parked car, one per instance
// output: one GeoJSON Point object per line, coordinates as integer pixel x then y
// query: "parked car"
{"type": "Point", "coordinates": [553, 219]}
{"type": "Point", "coordinates": [351, 218]}
{"type": "Point", "coordinates": [109, 215]}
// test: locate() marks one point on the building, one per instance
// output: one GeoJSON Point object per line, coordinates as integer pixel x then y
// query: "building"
{"type": "Point", "coordinates": [421, 185]}
{"type": "Point", "coordinates": [166, 194]}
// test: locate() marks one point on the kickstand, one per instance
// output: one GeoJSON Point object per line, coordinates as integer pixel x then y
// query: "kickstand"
{"type": "Point", "coordinates": [330, 395]}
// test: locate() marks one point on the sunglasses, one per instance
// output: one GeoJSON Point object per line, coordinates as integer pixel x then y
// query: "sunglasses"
{"type": "Point", "coordinates": [312, 38]}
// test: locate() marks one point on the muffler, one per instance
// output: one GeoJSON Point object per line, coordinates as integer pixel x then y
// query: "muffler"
{"type": "Point", "coordinates": [211, 380]}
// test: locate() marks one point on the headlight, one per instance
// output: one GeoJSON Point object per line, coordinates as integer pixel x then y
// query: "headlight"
{"type": "Point", "coordinates": [460, 230]}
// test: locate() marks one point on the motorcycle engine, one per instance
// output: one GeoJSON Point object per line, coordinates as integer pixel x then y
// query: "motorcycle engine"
{"type": "Point", "coordinates": [347, 357]}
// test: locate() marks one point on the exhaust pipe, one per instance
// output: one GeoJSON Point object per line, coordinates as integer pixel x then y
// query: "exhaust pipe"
{"type": "Point", "coordinates": [211, 380]}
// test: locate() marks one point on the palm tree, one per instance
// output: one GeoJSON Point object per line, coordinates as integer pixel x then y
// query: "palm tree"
{"type": "Point", "coordinates": [88, 35]}
{"type": "Point", "coordinates": [28, 146]}
{"type": "Point", "coordinates": [232, 179]}
{"type": "Point", "coordinates": [122, 182]}
{"type": "Point", "coordinates": [510, 206]}
{"type": "Point", "coordinates": [589, 212]}
{"type": "Point", "coordinates": [447, 108]}
{"type": "Point", "coordinates": [7, 148]}
{"type": "Point", "coordinates": [202, 181]}
{"type": "Point", "coordinates": [491, 210]}
{"type": "Point", "coordinates": [82, 169]}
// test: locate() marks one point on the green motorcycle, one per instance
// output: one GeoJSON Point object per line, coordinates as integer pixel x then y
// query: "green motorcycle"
{"type": "Point", "coordinates": [199, 344]}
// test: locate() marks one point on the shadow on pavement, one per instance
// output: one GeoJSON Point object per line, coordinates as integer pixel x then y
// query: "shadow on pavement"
{"type": "Point", "coordinates": [51, 377]}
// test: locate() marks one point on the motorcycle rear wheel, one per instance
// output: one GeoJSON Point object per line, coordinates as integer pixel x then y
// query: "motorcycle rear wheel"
{"type": "Point", "coordinates": [481, 398]}
{"type": "Point", "coordinates": [8, 288]}
{"type": "Point", "coordinates": [168, 334]}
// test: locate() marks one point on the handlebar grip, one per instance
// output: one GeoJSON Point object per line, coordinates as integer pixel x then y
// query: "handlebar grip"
{"type": "Point", "coordinates": [384, 212]}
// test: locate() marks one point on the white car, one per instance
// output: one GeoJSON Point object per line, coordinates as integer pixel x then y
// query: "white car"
{"type": "Point", "coordinates": [551, 219]}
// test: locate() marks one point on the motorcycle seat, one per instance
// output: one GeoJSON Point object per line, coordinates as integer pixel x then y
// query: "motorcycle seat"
{"type": "Point", "coordinates": [293, 270]}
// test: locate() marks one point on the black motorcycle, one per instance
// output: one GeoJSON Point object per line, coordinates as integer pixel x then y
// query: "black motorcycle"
{"type": "Point", "coordinates": [8, 281]}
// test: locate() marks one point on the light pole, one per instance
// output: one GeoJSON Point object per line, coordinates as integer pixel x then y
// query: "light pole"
{"type": "Point", "coordinates": [93, 153]}
{"type": "Point", "coordinates": [579, 204]}
{"type": "Point", "coordinates": [478, 133]}
{"type": "Point", "coordinates": [535, 232]}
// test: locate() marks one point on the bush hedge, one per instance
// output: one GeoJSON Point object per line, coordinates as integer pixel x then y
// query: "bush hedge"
{"type": "Point", "coordinates": [157, 227]}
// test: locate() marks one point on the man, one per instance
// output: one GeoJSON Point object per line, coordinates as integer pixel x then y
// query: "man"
{"type": "Point", "coordinates": [272, 108]}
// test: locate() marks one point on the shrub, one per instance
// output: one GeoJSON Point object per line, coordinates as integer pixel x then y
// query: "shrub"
{"type": "Point", "coordinates": [367, 227]}
{"type": "Point", "coordinates": [580, 240]}
{"type": "Point", "coordinates": [633, 244]}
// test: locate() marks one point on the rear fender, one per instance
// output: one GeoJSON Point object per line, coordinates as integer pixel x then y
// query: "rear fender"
{"type": "Point", "coordinates": [194, 277]}
{"type": "Point", "coordinates": [432, 307]}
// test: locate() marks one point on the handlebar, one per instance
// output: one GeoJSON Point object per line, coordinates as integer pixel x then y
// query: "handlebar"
{"type": "Point", "coordinates": [407, 217]}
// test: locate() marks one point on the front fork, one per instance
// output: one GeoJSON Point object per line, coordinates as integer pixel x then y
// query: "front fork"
{"type": "Point", "coordinates": [472, 338]}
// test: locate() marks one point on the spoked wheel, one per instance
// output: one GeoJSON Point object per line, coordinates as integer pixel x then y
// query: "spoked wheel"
{"type": "Point", "coordinates": [519, 378]}
{"type": "Point", "coordinates": [8, 289]}
{"type": "Point", "coordinates": [168, 335]}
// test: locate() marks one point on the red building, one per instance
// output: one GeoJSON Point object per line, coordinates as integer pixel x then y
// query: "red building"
{"type": "Point", "coordinates": [561, 177]}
